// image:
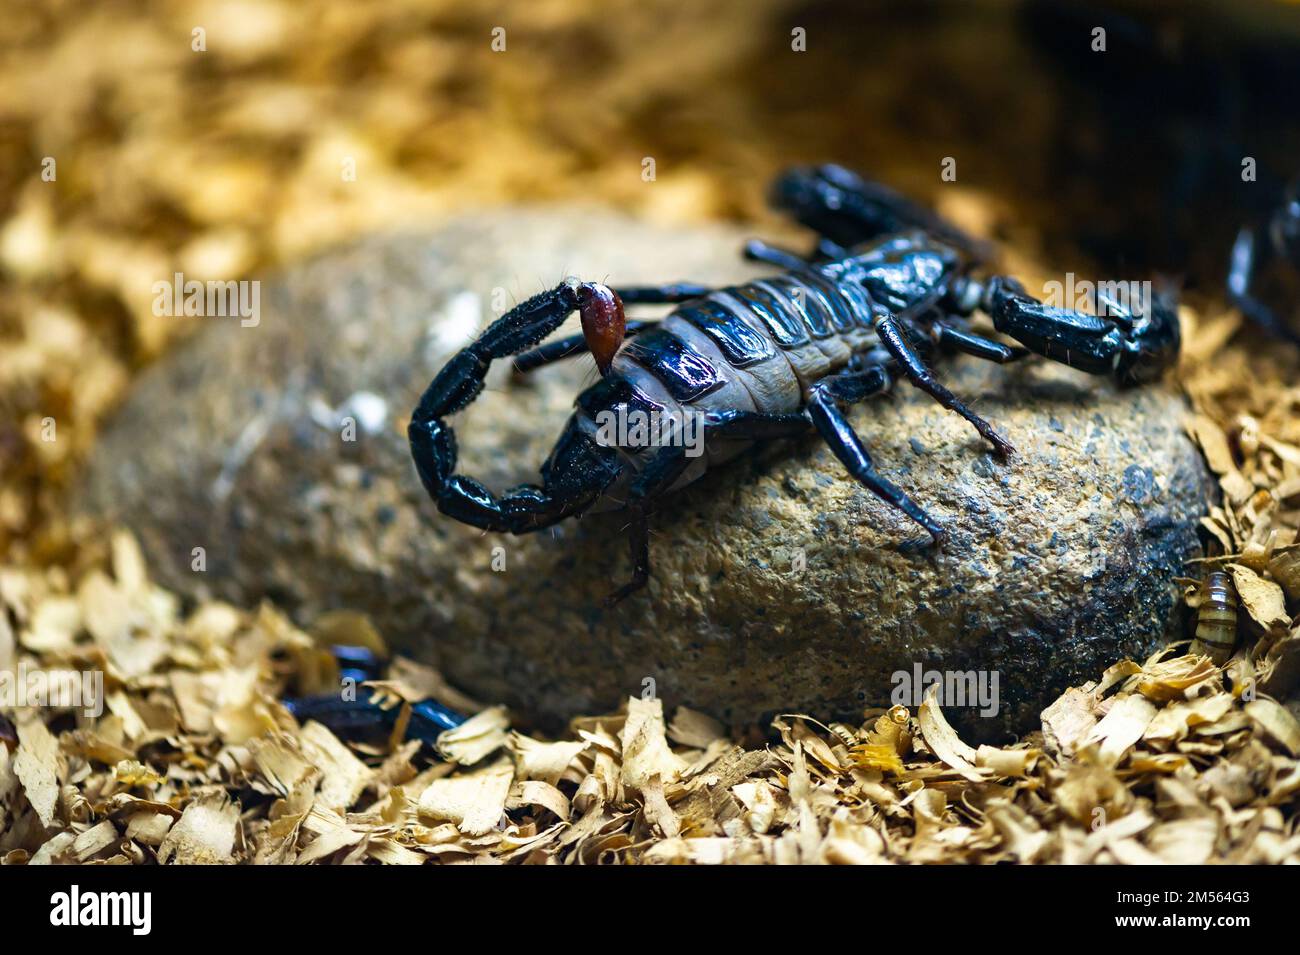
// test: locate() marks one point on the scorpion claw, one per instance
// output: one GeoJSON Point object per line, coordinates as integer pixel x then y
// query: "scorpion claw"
{"type": "Point", "coordinates": [1133, 345]}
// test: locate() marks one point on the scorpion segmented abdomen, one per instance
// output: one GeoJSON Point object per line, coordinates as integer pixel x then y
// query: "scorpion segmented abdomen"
{"type": "Point", "coordinates": [743, 352]}
{"type": "Point", "coordinates": [753, 347]}
{"type": "Point", "coordinates": [816, 321]}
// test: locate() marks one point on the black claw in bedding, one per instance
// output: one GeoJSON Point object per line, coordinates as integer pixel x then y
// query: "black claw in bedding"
{"type": "Point", "coordinates": [359, 715]}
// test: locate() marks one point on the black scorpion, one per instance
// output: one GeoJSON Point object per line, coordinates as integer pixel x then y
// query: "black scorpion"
{"type": "Point", "coordinates": [888, 284]}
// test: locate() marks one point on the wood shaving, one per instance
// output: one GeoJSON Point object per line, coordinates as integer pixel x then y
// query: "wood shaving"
{"type": "Point", "coordinates": [1167, 760]}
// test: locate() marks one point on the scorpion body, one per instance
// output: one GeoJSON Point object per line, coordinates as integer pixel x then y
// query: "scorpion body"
{"type": "Point", "coordinates": [748, 359]}
{"type": "Point", "coordinates": [888, 286]}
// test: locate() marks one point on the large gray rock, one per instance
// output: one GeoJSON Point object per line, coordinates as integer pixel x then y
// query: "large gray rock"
{"type": "Point", "coordinates": [1058, 563]}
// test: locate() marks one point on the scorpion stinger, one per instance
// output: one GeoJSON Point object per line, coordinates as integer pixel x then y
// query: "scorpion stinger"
{"type": "Point", "coordinates": [562, 348]}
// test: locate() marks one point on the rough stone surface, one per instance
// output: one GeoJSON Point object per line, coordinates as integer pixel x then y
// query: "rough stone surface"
{"type": "Point", "coordinates": [1058, 563]}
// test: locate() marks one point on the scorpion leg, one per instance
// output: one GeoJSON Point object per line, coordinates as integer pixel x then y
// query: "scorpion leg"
{"type": "Point", "coordinates": [669, 463]}
{"type": "Point", "coordinates": [433, 442]}
{"type": "Point", "coordinates": [563, 348]}
{"type": "Point", "coordinates": [891, 336]}
{"type": "Point", "coordinates": [672, 459]}
{"type": "Point", "coordinates": [669, 294]}
{"type": "Point", "coordinates": [568, 347]}
{"type": "Point", "coordinates": [639, 542]}
{"type": "Point", "coordinates": [1246, 259]}
{"type": "Point", "coordinates": [968, 343]}
{"type": "Point", "coordinates": [825, 414]}
{"type": "Point", "coordinates": [824, 250]}
{"type": "Point", "coordinates": [363, 714]}
{"type": "Point", "coordinates": [756, 250]}
{"type": "Point", "coordinates": [664, 468]}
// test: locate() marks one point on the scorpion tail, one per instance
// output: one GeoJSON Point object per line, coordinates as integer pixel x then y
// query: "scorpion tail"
{"type": "Point", "coordinates": [433, 442]}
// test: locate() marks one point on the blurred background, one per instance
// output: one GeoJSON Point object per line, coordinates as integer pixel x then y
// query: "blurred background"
{"type": "Point", "coordinates": [142, 138]}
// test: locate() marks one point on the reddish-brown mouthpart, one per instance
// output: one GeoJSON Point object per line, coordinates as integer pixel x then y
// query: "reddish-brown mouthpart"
{"type": "Point", "coordinates": [603, 322]}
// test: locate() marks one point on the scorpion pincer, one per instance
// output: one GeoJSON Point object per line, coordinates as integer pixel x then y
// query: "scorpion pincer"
{"type": "Point", "coordinates": [363, 713]}
{"type": "Point", "coordinates": [888, 286]}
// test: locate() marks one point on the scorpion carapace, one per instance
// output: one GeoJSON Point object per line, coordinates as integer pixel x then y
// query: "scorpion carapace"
{"type": "Point", "coordinates": [888, 286]}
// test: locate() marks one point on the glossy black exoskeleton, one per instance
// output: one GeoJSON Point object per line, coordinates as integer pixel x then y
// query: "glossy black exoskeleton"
{"type": "Point", "coordinates": [359, 713]}
{"type": "Point", "coordinates": [887, 284]}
